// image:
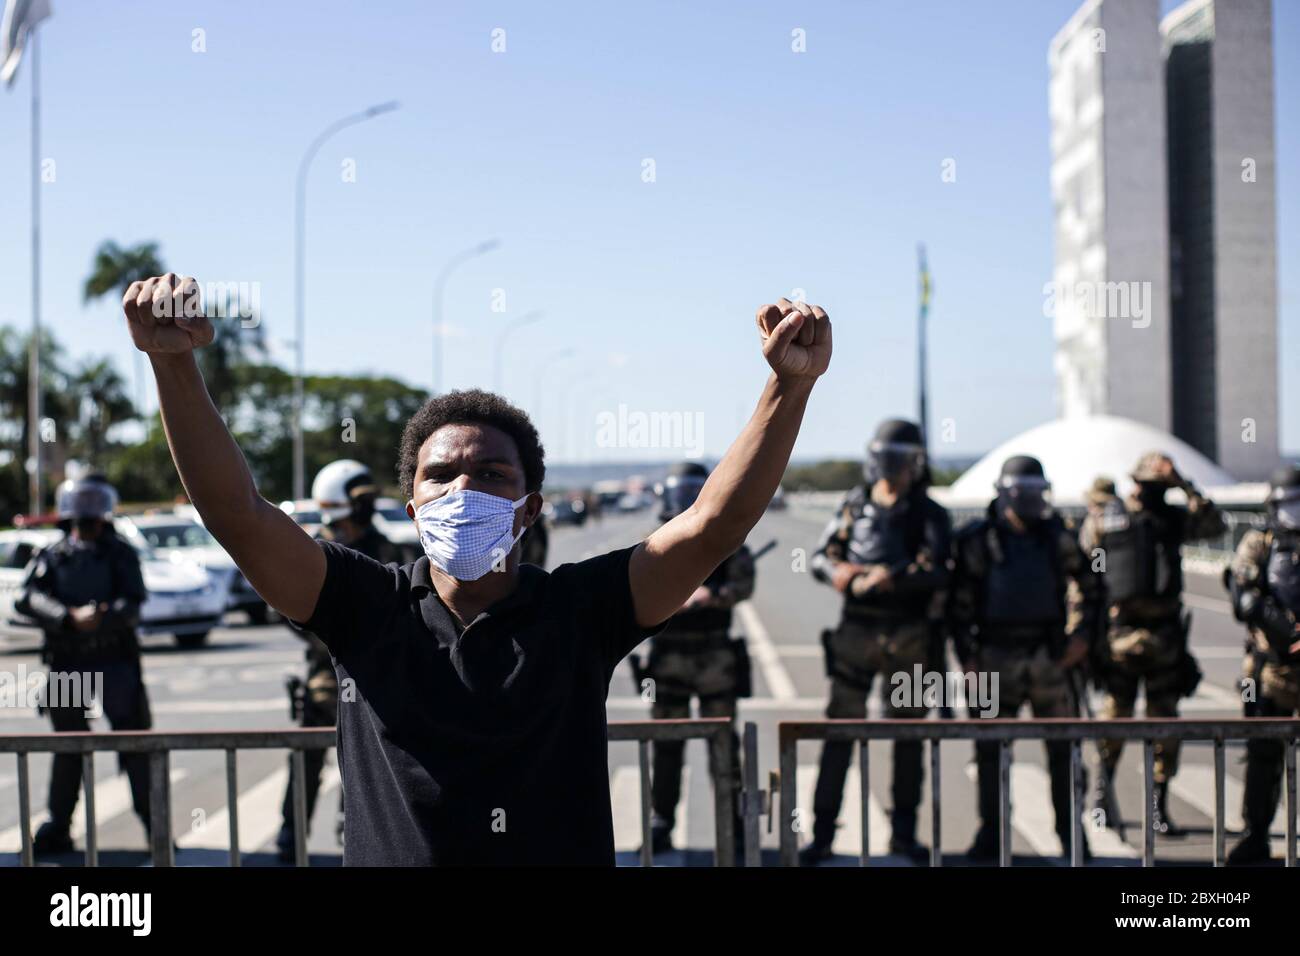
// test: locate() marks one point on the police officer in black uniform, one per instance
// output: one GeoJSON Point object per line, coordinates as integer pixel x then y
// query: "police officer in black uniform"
{"type": "Point", "coordinates": [345, 491]}
{"type": "Point", "coordinates": [695, 656]}
{"type": "Point", "coordinates": [85, 592]}
{"type": "Point", "coordinates": [1264, 580]}
{"type": "Point", "coordinates": [887, 552]}
{"type": "Point", "coordinates": [1023, 606]}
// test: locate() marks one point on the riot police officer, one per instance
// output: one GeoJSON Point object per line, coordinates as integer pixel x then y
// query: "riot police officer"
{"type": "Point", "coordinates": [1022, 605]}
{"type": "Point", "coordinates": [1264, 581]}
{"type": "Point", "coordinates": [345, 491]}
{"type": "Point", "coordinates": [1136, 542]}
{"type": "Point", "coordinates": [694, 656]}
{"type": "Point", "coordinates": [887, 552]}
{"type": "Point", "coordinates": [85, 592]}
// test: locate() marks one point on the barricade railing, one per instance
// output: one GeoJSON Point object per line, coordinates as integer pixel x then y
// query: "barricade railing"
{"type": "Point", "coordinates": [1007, 730]}
{"type": "Point", "coordinates": [159, 746]}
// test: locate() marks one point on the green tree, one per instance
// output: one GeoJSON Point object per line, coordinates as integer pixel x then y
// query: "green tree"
{"type": "Point", "coordinates": [102, 402]}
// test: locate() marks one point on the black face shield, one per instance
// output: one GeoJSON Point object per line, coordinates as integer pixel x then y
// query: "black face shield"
{"type": "Point", "coordinates": [894, 462]}
{"type": "Point", "coordinates": [1028, 497]}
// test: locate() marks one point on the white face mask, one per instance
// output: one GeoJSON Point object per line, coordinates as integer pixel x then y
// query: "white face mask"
{"type": "Point", "coordinates": [465, 533]}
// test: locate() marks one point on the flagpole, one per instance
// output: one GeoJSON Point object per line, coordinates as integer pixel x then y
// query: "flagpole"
{"type": "Point", "coordinates": [922, 315]}
{"type": "Point", "coordinates": [34, 370]}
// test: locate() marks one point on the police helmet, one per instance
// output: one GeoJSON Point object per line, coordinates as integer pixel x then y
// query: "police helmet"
{"type": "Point", "coordinates": [681, 488]}
{"type": "Point", "coordinates": [338, 485]}
{"type": "Point", "coordinates": [1023, 487]}
{"type": "Point", "coordinates": [82, 498]}
{"type": "Point", "coordinates": [896, 450]}
{"type": "Point", "coordinates": [1284, 498]}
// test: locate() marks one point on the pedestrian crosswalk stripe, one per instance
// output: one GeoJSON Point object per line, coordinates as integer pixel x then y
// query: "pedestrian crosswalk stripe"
{"type": "Point", "coordinates": [625, 802]}
{"type": "Point", "coordinates": [112, 798]}
{"type": "Point", "coordinates": [1194, 785]}
{"type": "Point", "coordinates": [765, 653]}
{"type": "Point", "coordinates": [848, 835]}
{"type": "Point", "coordinates": [260, 813]}
{"type": "Point", "coordinates": [1034, 817]}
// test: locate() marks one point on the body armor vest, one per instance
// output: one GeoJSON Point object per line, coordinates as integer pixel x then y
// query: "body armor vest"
{"type": "Point", "coordinates": [1283, 576]}
{"type": "Point", "coordinates": [879, 536]}
{"type": "Point", "coordinates": [1022, 586]}
{"type": "Point", "coordinates": [1142, 559]}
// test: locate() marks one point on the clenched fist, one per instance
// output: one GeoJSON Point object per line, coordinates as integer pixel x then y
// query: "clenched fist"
{"type": "Point", "coordinates": [165, 315]}
{"type": "Point", "coordinates": [796, 339]}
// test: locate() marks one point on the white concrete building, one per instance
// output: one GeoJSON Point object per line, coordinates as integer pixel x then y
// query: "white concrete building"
{"type": "Point", "coordinates": [1223, 225]}
{"type": "Point", "coordinates": [1110, 290]}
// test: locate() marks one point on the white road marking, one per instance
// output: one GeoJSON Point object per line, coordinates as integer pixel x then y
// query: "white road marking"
{"type": "Point", "coordinates": [1034, 817]}
{"type": "Point", "coordinates": [259, 813]}
{"type": "Point", "coordinates": [848, 835]}
{"type": "Point", "coordinates": [1194, 785]}
{"type": "Point", "coordinates": [625, 801]}
{"type": "Point", "coordinates": [765, 653]}
{"type": "Point", "coordinates": [112, 798]}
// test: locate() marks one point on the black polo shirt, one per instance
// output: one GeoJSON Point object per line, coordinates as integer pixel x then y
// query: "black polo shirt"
{"type": "Point", "coordinates": [478, 745]}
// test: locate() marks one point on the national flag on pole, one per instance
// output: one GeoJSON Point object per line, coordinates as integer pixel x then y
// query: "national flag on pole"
{"type": "Point", "coordinates": [20, 18]}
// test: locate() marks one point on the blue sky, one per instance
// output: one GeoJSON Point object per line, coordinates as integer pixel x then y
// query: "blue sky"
{"type": "Point", "coordinates": [774, 171]}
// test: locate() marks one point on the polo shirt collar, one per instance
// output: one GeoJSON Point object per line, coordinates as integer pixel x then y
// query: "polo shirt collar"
{"type": "Point", "coordinates": [437, 616]}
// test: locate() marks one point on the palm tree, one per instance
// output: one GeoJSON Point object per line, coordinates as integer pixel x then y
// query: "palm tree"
{"type": "Point", "coordinates": [102, 403]}
{"type": "Point", "coordinates": [113, 270]}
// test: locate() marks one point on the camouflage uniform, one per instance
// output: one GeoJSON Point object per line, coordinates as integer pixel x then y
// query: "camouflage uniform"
{"type": "Point", "coordinates": [1146, 640]}
{"type": "Point", "coordinates": [1265, 582]}
{"type": "Point", "coordinates": [880, 633]}
{"type": "Point", "coordinates": [1016, 601]}
{"type": "Point", "coordinates": [320, 700]}
{"type": "Point", "coordinates": [695, 656]}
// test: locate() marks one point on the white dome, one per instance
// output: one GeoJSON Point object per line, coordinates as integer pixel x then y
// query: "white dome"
{"type": "Point", "coordinates": [1074, 451]}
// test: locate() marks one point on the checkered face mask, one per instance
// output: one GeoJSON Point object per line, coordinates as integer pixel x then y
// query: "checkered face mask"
{"type": "Point", "coordinates": [465, 532]}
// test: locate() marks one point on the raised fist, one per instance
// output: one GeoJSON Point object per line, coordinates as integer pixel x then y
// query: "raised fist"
{"type": "Point", "coordinates": [165, 315]}
{"type": "Point", "coordinates": [796, 339]}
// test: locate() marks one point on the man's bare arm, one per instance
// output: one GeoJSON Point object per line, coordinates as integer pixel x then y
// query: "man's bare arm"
{"type": "Point", "coordinates": [283, 563]}
{"type": "Point", "coordinates": [669, 565]}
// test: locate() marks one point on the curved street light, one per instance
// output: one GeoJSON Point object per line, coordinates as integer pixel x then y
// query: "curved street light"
{"type": "Point", "coordinates": [299, 273]}
{"type": "Point", "coordinates": [457, 260]}
{"type": "Point", "coordinates": [527, 319]}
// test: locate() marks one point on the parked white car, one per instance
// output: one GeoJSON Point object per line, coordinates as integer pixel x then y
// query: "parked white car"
{"type": "Point", "coordinates": [183, 600]}
{"type": "Point", "coordinates": [177, 536]}
{"type": "Point", "coordinates": [392, 522]}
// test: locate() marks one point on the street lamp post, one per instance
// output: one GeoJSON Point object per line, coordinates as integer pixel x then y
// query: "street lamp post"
{"type": "Point", "coordinates": [299, 274]}
{"type": "Point", "coordinates": [539, 376]}
{"type": "Point", "coordinates": [519, 323]}
{"type": "Point", "coordinates": [438, 284]}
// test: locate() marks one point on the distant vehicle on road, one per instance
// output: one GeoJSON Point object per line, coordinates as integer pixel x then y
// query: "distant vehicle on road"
{"type": "Point", "coordinates": [567, 511]}
{"type": "Point", "coordinates": [305, 512]}
{"type": "Point", "coordinates": [178, 536]}
{"type": "Point", "coordinates": [393, 523]}
{"type": "Point", "coordinates": [635, 501]}
{"type": "Point", "coordinates": [183, 599]}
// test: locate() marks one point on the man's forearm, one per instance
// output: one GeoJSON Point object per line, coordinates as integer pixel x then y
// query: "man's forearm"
{"type": "Point", "coordinates": [211, 466]}
{"type": "Point", "coordinates": [742, 485]}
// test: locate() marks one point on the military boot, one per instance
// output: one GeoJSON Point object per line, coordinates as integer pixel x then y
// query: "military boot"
{"type": "Point", "coordinates": [52, 839]}
{"type": "Point", "coordinates": [985, 847]}
{"type": "Point", "coordinates": [1252, 850]}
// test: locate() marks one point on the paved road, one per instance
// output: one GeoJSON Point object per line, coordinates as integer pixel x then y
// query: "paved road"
{"type": "Point", "coordinates": [237, 683]}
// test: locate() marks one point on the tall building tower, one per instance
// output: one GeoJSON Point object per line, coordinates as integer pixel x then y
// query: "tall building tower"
{"type": "Point", "coordinates": [1111, 276]}
{"type": "Point", "coordinates": [1223, 231]}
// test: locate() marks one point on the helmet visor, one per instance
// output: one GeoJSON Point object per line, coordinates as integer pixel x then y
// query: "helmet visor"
{"type": "Point", "coordinates": [680, 492]}
{"type": "Point", "coordinates": [894, 460]}
{"type": "Point", "coordinates": [1029, 497]}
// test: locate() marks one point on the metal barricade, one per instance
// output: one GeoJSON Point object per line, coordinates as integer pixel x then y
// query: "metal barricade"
{"type": "Point", "coordinates": [159, 746]}
{"type": "Point", "coordinates": [716, 731]}
{"type": "Point", "coordinates": [1007, 730]}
